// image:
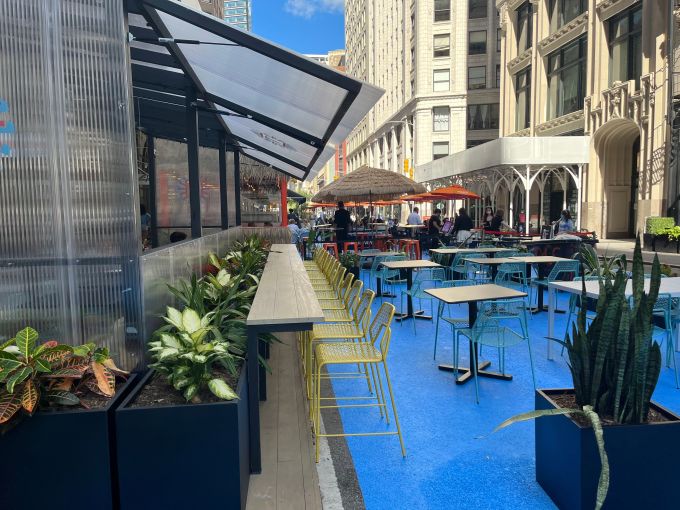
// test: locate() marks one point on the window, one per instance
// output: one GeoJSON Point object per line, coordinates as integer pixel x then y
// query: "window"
{"type": "Point", "coordinates": [442, 10]}
{"type": "Point", "coordinates": [498, 39]}
{"type": "Point", "coordinates": [442, 45]}
{"type": "Point", "coordinates": [625, 46]}
{"type": "Point", "coordinates": [474, 143]}
{"type": "Point", "coordinates": [440, 118]}
{"type": "Point", "coordinates": [498, 76]}
{"type": "Point", "coordinates": [440, 150]}
{"type": "Point", "coordinates": [441, 80]}
{"type": "Point", "coordinates": [523, 99]}
{"type": "Point", "coordinates": [482, 116]}
{"type": "Point", "coordinates": [476, 77]}
{"type": "Point", "coordinates": [567, 78]}
{"type": "Point", "coordinates": [524, 26]}
{"type": "Point", "coordinates": [562, 12]}
{"type": "Point", "coordinates": [477, 9]}
{"type": "Point", "coordinates": [477, 44]}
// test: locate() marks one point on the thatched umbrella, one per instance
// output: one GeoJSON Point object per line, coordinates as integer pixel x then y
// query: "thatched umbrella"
{"type": "Point", "coordinates": [366, 183]}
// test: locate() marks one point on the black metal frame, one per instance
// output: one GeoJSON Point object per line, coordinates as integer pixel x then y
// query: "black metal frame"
{"type": "Point", "coordinates": [257, 383]}
{"type": "Point", "coordinates": [525, 10]}
{"type": "Point", "coordinates": [217, 27]}
{"type": "Point", "coordinates": [628, 37]}
{"type": "Point", "coordinates": [526, 88]}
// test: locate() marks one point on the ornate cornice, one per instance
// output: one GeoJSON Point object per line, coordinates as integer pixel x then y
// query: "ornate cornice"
{"type": "Point", "coordinates": [564, 124]}
{"type": "Point", "coordinates": [520, 62]}
{"type": "Point", "coordinates": [564, 34]}
{"type": "Point", "coordinates": [521, 132]}
{"type": "Point", "coordinates": [608, 8]}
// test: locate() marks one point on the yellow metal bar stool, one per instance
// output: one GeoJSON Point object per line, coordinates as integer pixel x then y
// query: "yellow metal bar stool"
{"type": "Point", "coordinates": [338, 332]}
{"type": "Point", "coordinates": [345, 314]}
{"type": "Point", "coordinates": [332, 295]}
{"type": "Point", "coordinates": [333, 282]}
{"type": "Point", "coordinates": [364, 353]}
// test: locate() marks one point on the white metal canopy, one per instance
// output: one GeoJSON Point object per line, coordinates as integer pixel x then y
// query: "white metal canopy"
{"type": "Point", "coordinates": [515, 162]}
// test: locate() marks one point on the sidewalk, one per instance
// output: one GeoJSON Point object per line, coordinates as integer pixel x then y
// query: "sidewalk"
{"type": "Point", "coordinates": [610, 247]}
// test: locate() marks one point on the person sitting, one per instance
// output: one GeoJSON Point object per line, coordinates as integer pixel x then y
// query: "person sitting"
{"type": "Point", "coordinates": [565, 223]}
{"type": "Point", "coordinates": [497, 224]}
{"type": "Point", "coordinates": [463, 226]}
{"type": "Point", "coordinates": [414, 218]}
{"type": "Point", "coordinates": [487, 218]}
{"type": "Point", "coordinates": [177, 236]}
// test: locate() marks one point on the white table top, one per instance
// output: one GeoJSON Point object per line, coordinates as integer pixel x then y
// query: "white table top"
{"type": "Point", "coordinates": [668, 286]}
{"type": "Point", "coordinates": [410, 264]}
{"type": "Point", "coordinates": [491, 261]}
{"type": "Point", "coordinates": [453, 251]}
{"type": "Point", "coordinates": [412, 226]}
{"type": "Point", "coordinates": [539, 259]}
{"type": "Point", "coordinates": [469, 293]}
{"type": "Point", "coordinates": [285, 294]}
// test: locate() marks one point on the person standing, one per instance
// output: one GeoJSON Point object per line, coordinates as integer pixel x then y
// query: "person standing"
{"type": "Point", "coordinates": [463, 226]}
{"type": "Point", "coordinates": [342, 222]}
{"type": "Point", "coordinates": [414, 218]}
{"type": "Point", "coordinates": [522, 222]}
{"type": "Point", "coordinates": [434, 224]}
{"type": "Point", "coordinates": [497, 223]}
{"type": "Point", "coordinates": [565, 223]}
{"type": "Point", "coordinates": [488, 218]}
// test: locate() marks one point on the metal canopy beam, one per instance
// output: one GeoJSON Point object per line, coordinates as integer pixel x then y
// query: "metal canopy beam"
{"type": "Point", "coordinates": [192, 155]}
{"type": "Point", "coordinates": [224, 200]}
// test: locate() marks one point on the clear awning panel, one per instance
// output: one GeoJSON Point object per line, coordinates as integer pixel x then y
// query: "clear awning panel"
{"type": "Point", "coordinates": [290, 109]}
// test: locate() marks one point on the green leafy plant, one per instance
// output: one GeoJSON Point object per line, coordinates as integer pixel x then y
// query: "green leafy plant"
{"type": "Point", "coordinates": [615, 362]}
{"type": "Point", "coordinates": [349, 260]}
{"type": "Point", "coordinates": [593, 265]}
{"type": "Point", "coordinates": [51, 373]}
{"type": "Point", "coordinates": [673, 233]}
{"type": "Point", "coordinates": [186, 351]}
{"type": "Point", "coordinates": [657, 225]}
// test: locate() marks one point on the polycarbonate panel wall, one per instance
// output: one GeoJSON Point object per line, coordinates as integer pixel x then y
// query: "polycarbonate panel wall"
{"type": "Point", "coordinates": [69, 217]}
{"type": "Point", "coordinates": [172, 189]}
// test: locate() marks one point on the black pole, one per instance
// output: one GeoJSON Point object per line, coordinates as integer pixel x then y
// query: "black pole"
{"type": "Point", "coordinates": [224, 200]}
{"type": "Point", "coordinates": [192, 156]}
{"type": "Point", "coordinates": [153, 203]}
{"type": "Point", "coordinates": [237, 186]}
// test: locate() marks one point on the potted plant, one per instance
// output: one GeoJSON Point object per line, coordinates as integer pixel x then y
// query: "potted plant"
{"type": "Point", "coordinates": [615, 365]}
{"type": "Point", "coordinates": [656, 236]}
{"type": "Point", "coordinates": [350, 261]}
{"type": "Point", "coordinates": [188, 418]}
{"type": "Point", "coordinates": [56, 402]}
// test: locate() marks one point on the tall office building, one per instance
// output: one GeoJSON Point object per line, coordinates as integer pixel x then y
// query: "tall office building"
{"type": "Point", "coordinates": [438, 63]}
{"type": "Point", "coordinates": [239, 14]}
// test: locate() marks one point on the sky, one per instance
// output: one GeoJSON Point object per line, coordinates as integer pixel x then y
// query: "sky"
{"type": "Point", "coordinates": [305, 26]}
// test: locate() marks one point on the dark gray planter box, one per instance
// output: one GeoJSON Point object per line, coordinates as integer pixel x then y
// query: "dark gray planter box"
{"type": "Point", "coordinates": [660, 243]}
{"type": "Point", "coordinates": [61, 459]}
{"type": "Point", "coordinates": [188, 456]}
{"type": "Point", "coordinates": [643, 461]}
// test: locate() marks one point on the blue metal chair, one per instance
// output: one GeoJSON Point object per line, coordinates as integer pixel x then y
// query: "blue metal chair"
{"type": "Point", "coordinates": [391, 277]}
{"type": "Point", "coordinates": [424, 279]}
{"type": "Point", "coordinates": [454, 322]}
{"type": "Point", "coordinates": [663, 308]}
{"type": "Point", "coordinates": [490, 330]}
{"type": "Point", "coordinates": [564, 269]}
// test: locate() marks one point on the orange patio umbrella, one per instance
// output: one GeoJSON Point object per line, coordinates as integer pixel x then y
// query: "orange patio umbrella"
{"type": "Point", "coordinates": [454, 192]}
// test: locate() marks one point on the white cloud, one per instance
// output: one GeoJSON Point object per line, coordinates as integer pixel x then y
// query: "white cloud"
{"type": "Point", "coordinates": [307, 8]}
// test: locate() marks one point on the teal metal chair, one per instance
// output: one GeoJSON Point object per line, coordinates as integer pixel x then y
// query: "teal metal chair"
{"type": "Point", "coordinates": [490, 330]}
{"type": "Point", "coordinates": [374, 272]}
{"type": "Point", "coordinates": [512, 275]}
{"type": "Point", "coordinates": [424, 279]}
{"type": "Point", "coordinates": [454, 322]}
{"type": "Point", "coordinates": [663, 308]}
{"type": "Point", "coordinates": [562, 270]}
{"type": "Point", "coordinates": [391, 277]}
{"type": "Point", "coordinates": [457, 266]}
{"type": "Point", "coordinates": [479, 273]}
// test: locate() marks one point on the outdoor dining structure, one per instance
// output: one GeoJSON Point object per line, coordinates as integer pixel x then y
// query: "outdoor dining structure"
{"type": "Point", "coordinates": [145, 372]}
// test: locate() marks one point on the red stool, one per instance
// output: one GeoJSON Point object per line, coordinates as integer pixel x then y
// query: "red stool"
{"type": "Point", "coordinates": [351, 244]}
{"type": "Point", "coordinates": [331, 247]}
{"type": "Point", "coordinates": [380, 243]}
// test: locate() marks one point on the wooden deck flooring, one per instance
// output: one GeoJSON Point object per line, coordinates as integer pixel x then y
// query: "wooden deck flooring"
{"type": "Point", "coordinates": [289, 478]}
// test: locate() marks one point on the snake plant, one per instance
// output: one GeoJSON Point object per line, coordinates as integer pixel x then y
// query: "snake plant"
{"type": "Point", "coordinates": [614, 362]}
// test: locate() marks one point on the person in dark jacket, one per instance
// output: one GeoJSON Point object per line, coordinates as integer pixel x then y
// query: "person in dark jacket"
{"type": "Point", "coordinates": [463, 225]}
{"type": "Point", "coordinates": [342, 221]}
{"type": "Point", "coordinates": [497, 223]}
